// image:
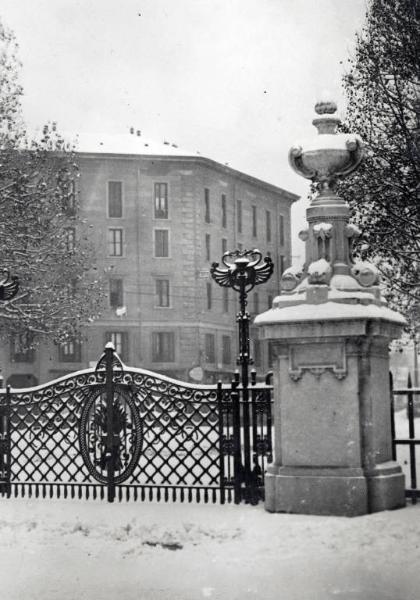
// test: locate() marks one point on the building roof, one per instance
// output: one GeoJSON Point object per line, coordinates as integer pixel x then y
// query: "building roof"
{"type": "Point", "coordinates": [134, 145]}
{"type": "Point", "coordinates": [127, 143]}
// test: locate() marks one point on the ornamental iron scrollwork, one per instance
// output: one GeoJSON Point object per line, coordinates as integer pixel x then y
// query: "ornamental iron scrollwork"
{"type": "Point", "coordinates": [243, 270]}
{"type": "Point", "coordinates": [104, 432]}
{"type": "Point", "coordinates": [127, 435]}
{"type": "Point", "coordinates": [116, 360]}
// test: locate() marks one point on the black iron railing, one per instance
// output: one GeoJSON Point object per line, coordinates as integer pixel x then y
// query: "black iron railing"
{"type": "Point", "coordinates": [119, 432]}
{"type": "Point", "coordinates": [405, 418]}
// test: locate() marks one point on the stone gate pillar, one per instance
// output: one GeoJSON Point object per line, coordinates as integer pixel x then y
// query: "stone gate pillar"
{"type": "Point", "coordinates": [330, 330]}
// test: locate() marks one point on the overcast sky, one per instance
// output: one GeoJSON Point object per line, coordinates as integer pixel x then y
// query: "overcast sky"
{"type": "Point", "coordinates": [235, 79]}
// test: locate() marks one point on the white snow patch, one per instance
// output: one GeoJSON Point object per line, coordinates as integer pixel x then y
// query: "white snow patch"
{"type": "Point", "coordinates": [327, 227]}
{"type": "Point", "coordinates": [328, 311]}
{"type": "Point", "coordinates": [80, 550]}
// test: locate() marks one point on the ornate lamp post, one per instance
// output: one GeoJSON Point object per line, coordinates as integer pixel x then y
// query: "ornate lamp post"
{"type": "Point", "coordinates": [242, 271]}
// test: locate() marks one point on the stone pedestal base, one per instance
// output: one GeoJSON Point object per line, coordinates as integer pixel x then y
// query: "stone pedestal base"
{"type": "Point", "coordinates": [386, 487]}
{"type": "Point", "coordinates": [340, 492]}
{"type": "Point", "coordinates": [333, 441]}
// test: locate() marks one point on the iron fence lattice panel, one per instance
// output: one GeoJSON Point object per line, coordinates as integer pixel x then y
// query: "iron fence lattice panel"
{"type": "Point", "coordinates": [44, 433]}
{"type": "Point", "coordinates": [181, 434]}
{"type": "Point", "coordinates": [128, 433]}
{"type": "Point", "coordinates": [169, 438]}
{"type": "Point", "coordinates": [405, 436]}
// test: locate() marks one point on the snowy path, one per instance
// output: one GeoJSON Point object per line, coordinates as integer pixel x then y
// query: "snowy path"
{"type": "Point", "coordinates": [86, 550]}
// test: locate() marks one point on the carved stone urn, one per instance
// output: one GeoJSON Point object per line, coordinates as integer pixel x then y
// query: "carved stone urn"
{"type": "Point", "coordinates": [330, 329]}
{"type": "Point", "coordinates": [330, 156]}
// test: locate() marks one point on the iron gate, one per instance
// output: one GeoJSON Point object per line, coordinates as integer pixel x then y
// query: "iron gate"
{"type": "Point", "coordinates": [121, 432]}
{"type": "Point", "coordinates": [405, 409]}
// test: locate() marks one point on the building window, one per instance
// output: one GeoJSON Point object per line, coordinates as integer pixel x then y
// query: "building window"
{"type": "Point", "coordinates": [256, 303]}
{"type": "Point", "coordinates": [70, 199]}
{"type": "Point", "coordinates": [161, 243]}
{"type": "Point", "coordinates": [210, 347]}
{"type": "Point", "coordinates": [254, 221]}
{"type": "Point", "coordinates": [257, 353]}
{"type": "Point", "coordinates": [268, 225]}
{"type": "Point", "coordinates": [224, 245]}
{"type": "Point", "coordinates": [207, 205]}
{"type": "Point", "coordinates": [209, 295]}
{"type": "Point", "coordinates": [70, 238]}
{"type": "Point", "coordinates": [115, 199]}
{"type": "Point", "coordinates": [281, 264]}
{"type": "Point", "coordinates": [225, 300]}
{"type": "Point", "coordinates": [281, 230]}
{"type": "Point", "coordinates": [239, 215]}
{"type": "Point", "coordinates": [115, 242]}
{"type": "Point", "coordinates": [120, 341]}
{"type": "Point", "coordinates": [161, 200]}
{"type": "Point", "coordinates": [21, 348]}
{"type": "Point", "coordinates": [116, 296]}
{"type": "Point", "coordinates": [226, 350]}
{"type": "Point", "coordinates": [208, 246]}
{"type": "Point", "coordinates": [163, 346]}
{"type": "Point", "coordinates": [162, 298]}
{"type": "Point", "coordinates": [224, 215]}
{"type": "Point", "coordinates": [69, 351]}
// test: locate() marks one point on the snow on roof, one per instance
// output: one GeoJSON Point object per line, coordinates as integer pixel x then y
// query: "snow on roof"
{"type": "Point", "coordinates": [135, 144]}
{"type": "Point", "coordinates": [127, 143]}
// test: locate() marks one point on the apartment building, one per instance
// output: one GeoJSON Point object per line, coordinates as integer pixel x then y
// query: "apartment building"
{"type": "Point", "coordinates": [160, 217]}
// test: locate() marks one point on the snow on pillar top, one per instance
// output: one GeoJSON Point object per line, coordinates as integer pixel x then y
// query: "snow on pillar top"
{"type": "Point", "coordinates": [329, 275]}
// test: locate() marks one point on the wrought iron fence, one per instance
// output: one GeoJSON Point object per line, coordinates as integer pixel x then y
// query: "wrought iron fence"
{"type": "Point", "coordinates": [405, 421]}
{"type": "Point", "coordinates": [120, 432]}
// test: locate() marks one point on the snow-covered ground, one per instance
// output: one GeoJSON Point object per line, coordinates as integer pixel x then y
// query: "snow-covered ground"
{"type": "Point", "coordinates": [80, 550]}
{"type": "Point", "coordinates": [91, 550]}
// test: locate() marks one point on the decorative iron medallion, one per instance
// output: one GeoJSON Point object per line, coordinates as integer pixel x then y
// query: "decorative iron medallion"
{"type": "Point", "coordinates": [127, 435]}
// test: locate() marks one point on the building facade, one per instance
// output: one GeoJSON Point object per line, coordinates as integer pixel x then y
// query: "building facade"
{"type": "Point", "coordinates": [159, 218]}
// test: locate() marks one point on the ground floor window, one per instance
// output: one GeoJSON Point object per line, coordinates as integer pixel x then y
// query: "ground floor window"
{"type": "Point", "coordinates": [22, 349]}
{"type": "Point", "coordinates": [226, 350]}
{"type": "Point", "coordinates": [69, 351]}
{"type": "Point", "coordinates": [210, 347]}
{"type": "Point", "coordinates": [163, 346]}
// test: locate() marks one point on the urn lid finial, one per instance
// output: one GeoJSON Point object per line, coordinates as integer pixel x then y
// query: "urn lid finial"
{"type": "Point", "coordinates": [323, 107]}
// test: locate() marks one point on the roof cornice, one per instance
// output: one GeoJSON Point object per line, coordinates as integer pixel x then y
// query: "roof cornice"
{"type": "Point", "coordinates": [202, 160]}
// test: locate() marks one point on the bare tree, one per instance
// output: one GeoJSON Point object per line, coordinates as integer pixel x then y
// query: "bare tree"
{"type": "Point", "coordinates": [42, 239]}
{"type": "Point", "coordinates": [383, 91]}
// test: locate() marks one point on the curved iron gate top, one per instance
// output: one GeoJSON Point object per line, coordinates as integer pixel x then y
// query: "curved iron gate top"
{"type": "Point", "coordinates": [133, 433]}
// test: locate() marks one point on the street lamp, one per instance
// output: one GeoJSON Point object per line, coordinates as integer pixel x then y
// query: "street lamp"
{"type": "Point", "coordinates": [242, 271]}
